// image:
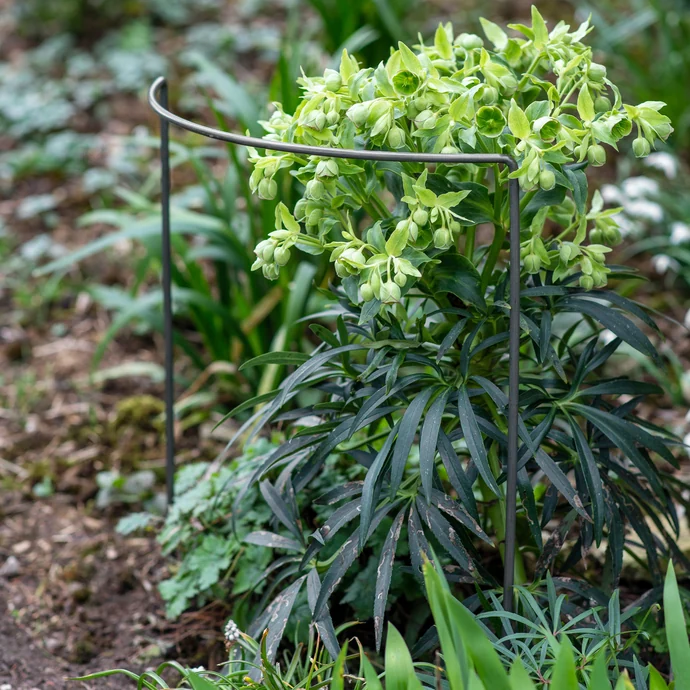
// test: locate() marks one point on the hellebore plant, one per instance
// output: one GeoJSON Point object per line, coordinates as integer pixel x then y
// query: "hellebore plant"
{"type": "Point", "coordinates": [409, 392]}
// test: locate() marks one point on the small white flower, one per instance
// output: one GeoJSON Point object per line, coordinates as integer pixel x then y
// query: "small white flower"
{"type": "Point", "coordinates": [232, 632]}
{"type": "Point", "coordinates": [626, 226]}
{"type": "Point", "coordinates": [612, 194]}
{"type": "Point", "coordinates": [198, 669]}
{"type": "Point", "coordinates": [663, 263]}
{"type": "Point", "coordinates": [606, 336]}
{"type": "Point", "coordinates": [648, 210]}
{"type": "Point", "coordinates": [639, 187]}
{"type": "Point", "coordinates": [665, 162]}
{"type": "Point", "coordinates": [680, 233]}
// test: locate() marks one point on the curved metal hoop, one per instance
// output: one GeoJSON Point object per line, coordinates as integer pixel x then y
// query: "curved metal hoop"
{"type": "Point", "coordinates": [158, 100]}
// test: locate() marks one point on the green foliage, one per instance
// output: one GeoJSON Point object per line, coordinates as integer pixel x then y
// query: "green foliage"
{"type": "Point", "coordinates": [206, 540]}
{"type": "Point", "coordinates": [455, 95]}
{"type": "Point", "coordinates": [412, 383]}
{"type": "Point", "coordinates": [471, 656]}
{"type": "Point", "coordinates": [647, 43]}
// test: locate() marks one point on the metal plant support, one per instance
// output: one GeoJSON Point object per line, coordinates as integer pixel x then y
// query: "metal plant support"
{"type": "Point", "coordinates": [158, 100]}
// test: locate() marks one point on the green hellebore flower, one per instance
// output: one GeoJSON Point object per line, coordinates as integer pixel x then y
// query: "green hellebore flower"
{"type": "Point", "coordinates": [367, 292]}
{"type": "Point", "coordinates": [358, 113]}
{"type": "Point", "coordinates": [400, 279]}
{"type": "Point", "coordinates": [406, 82]}
{"type": "Point", "coordinates": [426, 120]}
{"type": "Point", "coordinates": [596, 236]}
{"type": "Point", "coordinates": [596, 155]}
{"type": "Point", "coordinates": [602, 104]}
{"type": "Point", "coordinates": [547, 180]}
{"type": "Point", "coordinates": [270, 271]}
{"type": "Point", "coordinates": [327, 168]}
{"type": "Point", "coordinates": [268, 189]}
{"type": "Point", "coordinates": [532, 263]}
{"type": "Point", "coordinates": [442, 239]}
{"type": "Point", "coordinates": [396, 137]}
{"type": "Point", "coordinates": [315, 119]}
{"type": "Point", "coordinates": [613, 236]}
{"type": "Point", "coordinates": [596, 72]}
{"type": "Point", "coordinates": [489, 95]}
{"type": "Point", "coordinates": [390, 292]}
{"type": "Point", "coordinates": [470, 41]}
{"type": "Point", "coordinates": [315, 189]}
{"type": "Point", "coordinates": [490, 121]}
{"type": "Point", "coordinates": [282, 255]}
{"type": "Point", "coordinates": [332, 80]}
{"type": "Point", "coordinates": [586, 282]}
{"type": "Point", "coordinates": [547, 128]}
{"type": "Point", "coordinates": [421, 217]}
{"type": "Point", "coordinates": [641, 147]}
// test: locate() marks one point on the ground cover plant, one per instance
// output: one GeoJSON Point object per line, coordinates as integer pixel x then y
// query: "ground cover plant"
{"type": "Point", "coordinates": [570, 654]}
{"type": "Point", "coordinates": [411, 384]}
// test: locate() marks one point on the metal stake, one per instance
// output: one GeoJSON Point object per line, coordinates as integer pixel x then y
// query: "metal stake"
{"type": "Point", "coordinates": [167, 118]}
{"type": "Point", "coordinates": [166, 258]}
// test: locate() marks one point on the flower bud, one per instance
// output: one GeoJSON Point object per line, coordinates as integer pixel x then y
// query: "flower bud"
{"type": "Point", "coordinates": [327, 168]}
{"type": "Point", "coordinates": [596, 155]}
{"type": "Point", "coordinates": [532, 263]}
{"type": "Point", "coordinates": [268, 188]}
{"type": "Point", "coordinates": [612, 236]}
{"type": "Point", "coordinates": [367, 292]}
{"type": "Point", "coordinates": [267, 252]}
{"type": "Point", "coordinates": [390, 292]}
{"type": "Point", "coordinates": [301, 208]}
{"type": "Point", "coordinates": [315, 216]}
{"type": "Point", "coordinates": [270, 271]}
{"type": "Point", "coordinates": [400, 279]}
{"type": "Point", "coordinates": [281, 255]}
{"type": "Point", "coordinates": [602, 104]}
{"type": "Point", "coordinates": [375, 281]}
{"type": "Point", "coordinates": [455, 226]}
{"type": "Point", "coordinates": [547, 179]}
{"type": "Point", "coordinates": [332, 117]}
{"type": "Point", "coordinates": [566, 252]}
{"type": "Point", "coordinates": [396, 137]}
{"type": "Point", "coordinates": [641, 147]}
{"type": "Point", "coordinates": [413, 230]}
{"type": "Point", "coordinates": [315, 189]}
{"type": "Point", "coordinates": [489, 95]}
{"type": "Point", "coordinates": [586, 282]}
{"type": "Point", "coordinates": [442, 239]}
{"type": "Point", "coordinates": [426, 120]}
{"type": "Point", "coordinates": [450, 150]}
{"type": "Point", "coordinates": [471, 41]}
{"type": "Point", "coordinates": [359, 113]}
{"type": "Point", "coordinates": [315, 119]}
{"type": "Point", "coordinates": [332, 80]}
{"type": "Point", "coordinates": [421, 217]}
{"type": "Point", "coordinates": [596, 72]}
{"type": "Point", "coordinates": [596, 236]}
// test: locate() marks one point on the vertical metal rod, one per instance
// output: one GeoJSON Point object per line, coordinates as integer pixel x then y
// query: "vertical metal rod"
{"type": "Point", "coordinates": [513, 396]}
{"type": "Point", "coordinates": [166, 258]}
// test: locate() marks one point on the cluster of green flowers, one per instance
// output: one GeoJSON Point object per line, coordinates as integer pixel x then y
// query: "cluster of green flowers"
{"type": "Point", "coordinates": [537, 96]}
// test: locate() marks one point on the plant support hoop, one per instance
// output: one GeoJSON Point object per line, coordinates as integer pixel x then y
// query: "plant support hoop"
{"type": "Point", "coordinates": [158, 100]}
